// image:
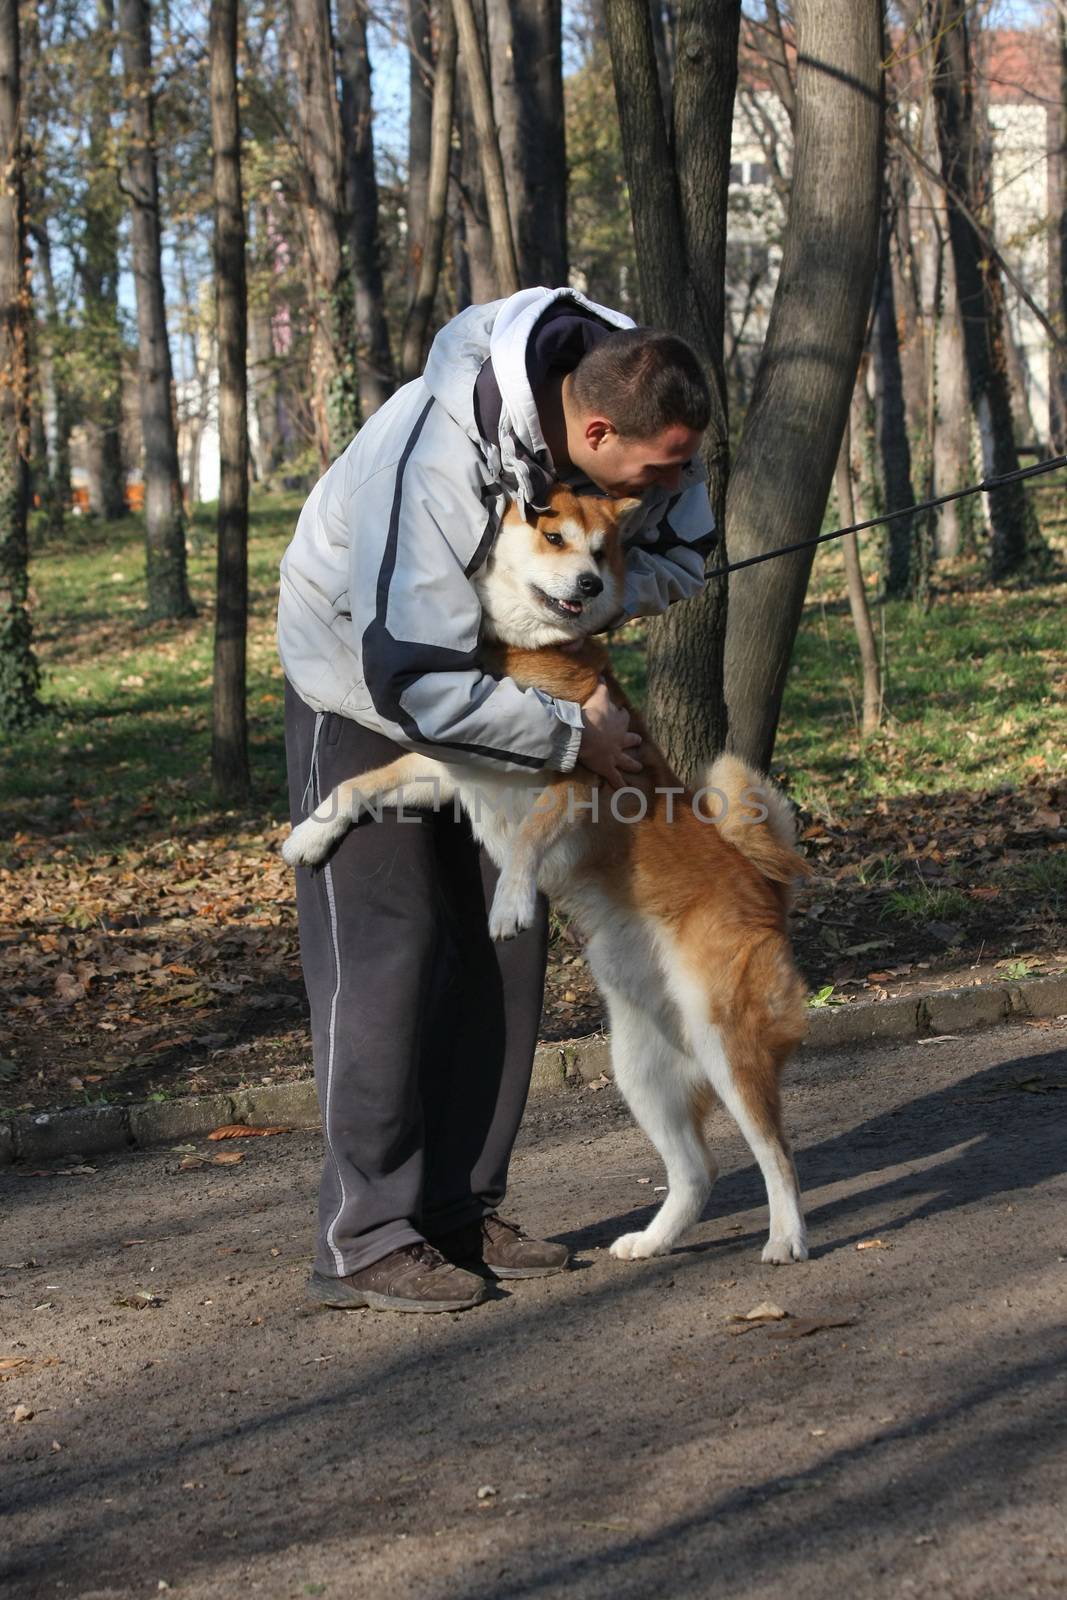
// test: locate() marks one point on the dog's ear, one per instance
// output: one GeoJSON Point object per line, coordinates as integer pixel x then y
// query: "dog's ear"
{"type": "Point", "coordinates": [625, 507]}
{"type": "Point", "coordinates": [521, 512]}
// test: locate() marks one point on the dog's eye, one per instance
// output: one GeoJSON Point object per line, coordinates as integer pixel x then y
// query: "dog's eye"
{"type": "Point", "coordinates": [555, 538]}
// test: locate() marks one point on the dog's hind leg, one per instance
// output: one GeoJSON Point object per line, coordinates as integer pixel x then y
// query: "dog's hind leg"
{"type": "Point", "coordinates": [667, 1098]}
{"type": "Point", "coordinates": [743, 1070]}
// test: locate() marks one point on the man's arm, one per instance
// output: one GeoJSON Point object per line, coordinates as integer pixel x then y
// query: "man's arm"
{"type": "Point", "coordinates": [665, 561]}
{"type": "Point", "coordinates": [416, 620]}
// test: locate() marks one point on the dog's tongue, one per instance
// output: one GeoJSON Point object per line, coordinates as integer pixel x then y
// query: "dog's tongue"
{"type": "Point", "coordinates": [572, 606]}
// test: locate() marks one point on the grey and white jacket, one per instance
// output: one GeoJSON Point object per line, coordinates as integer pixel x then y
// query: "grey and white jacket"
{"type": "Point", "coordinates": [378, 618]}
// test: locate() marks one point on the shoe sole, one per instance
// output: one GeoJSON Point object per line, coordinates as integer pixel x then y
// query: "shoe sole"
{"type": "Point", "coordinates": [526, 1272]}
{"type": "Point", "coordinates": [344, 1299]}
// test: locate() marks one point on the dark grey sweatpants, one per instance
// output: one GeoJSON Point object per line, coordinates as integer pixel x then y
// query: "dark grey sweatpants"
{"type": "Point", "coordinates": [423, 1031]}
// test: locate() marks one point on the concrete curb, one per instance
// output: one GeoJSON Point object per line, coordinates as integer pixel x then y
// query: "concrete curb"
{"type": "Point", "coordinates": [93, 1130]}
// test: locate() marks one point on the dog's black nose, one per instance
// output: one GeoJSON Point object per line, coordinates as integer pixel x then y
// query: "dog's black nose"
{"type": "Point", "coordinates": [589, 585]}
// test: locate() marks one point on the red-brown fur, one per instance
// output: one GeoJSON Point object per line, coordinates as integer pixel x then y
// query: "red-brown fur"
{"type": "Point", "coordinates": [725, 902]}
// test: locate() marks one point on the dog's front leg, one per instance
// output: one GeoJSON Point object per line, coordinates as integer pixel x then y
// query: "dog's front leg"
{"type": "Point", "coordinates": [515, 900]}
{"type": "Point", "coordinates": [411, 780]}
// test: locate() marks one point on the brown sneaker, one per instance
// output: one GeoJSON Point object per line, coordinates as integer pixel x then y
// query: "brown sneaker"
{"type": "Point", "coordinates": [503, 1249]}
{"type": "Point", "coordinates": [414, 1278]}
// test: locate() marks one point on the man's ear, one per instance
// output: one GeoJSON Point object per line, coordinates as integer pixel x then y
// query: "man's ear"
{"type": "Point", "coordinates": [596, 431]}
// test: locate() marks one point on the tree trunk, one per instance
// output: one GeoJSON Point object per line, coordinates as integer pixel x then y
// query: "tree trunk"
{"type": "Point", "coordinates": [377, 378]}
{"type": "Point", "coordinates": [416, 328]}
{"type": "Point", "coordinates": [263, 383]}
{"type": "Point", "coordinates": [229, 742]}
{"type": "Point", "coordinates": [789, 446]}
{"type": "Point", "coordinates": [19, 678]}
{"type": "Point", "coordinates": [55, 384]}
{"type": "Point", "coordinates": [505, 267]}
{"type": "Point", "coordinates": [663, 38]}
{"type": "Point", "coordinates": [420, 96]}
{"type": "Point", "coordinates": [953, 467]}
{"type": "Point", "coordinates": [335, 394]}
{"type": "Point", "coordinates": [203, 361]}
{"type": "Point", "coordinates": [1057, 240]}
{"type": "Point", "coordinates": [476, 278]}
{"type": "Point", "coordinates": [857, 592]}
{"type": "Point", "coordinates": [981, 294]}
{"type": "Point", "coordinates": [526, 62]}
{"type": "Point", "coordinates": [892, 424]}
{"type": "Point", "coordinates": [47, 352]}
{"type": "Point", "coordinates": [102, 333]}
{"type": "Point", "coordinates": [915, 288]}
{"type": "Point", "coordinates": [168, 592]}
{"type": "Point", "coordinates": [678, 189]}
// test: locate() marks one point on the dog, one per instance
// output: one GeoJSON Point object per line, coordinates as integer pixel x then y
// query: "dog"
{"type": "Point", "coordinates": [682, 907]}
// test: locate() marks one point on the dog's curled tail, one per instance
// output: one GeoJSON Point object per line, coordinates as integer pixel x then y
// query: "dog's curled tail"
{"type": "Point", "coordinates": [755, 817]}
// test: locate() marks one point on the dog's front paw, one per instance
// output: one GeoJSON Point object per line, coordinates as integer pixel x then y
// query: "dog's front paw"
{"type": "Point", "coordinates": [635, 1247]}
{"type": "Point", "coordinates": [311, 840]}
{"type": "Point", "coordinates": [779, 1252]}
{"type": "Point", "coordinates": [512, 911]}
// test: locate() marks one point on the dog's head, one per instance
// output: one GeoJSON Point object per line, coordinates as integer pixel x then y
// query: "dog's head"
{"type": "Point", "coordinates": [556, 574]}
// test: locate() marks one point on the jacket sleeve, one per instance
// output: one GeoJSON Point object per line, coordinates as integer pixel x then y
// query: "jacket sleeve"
{"type": "Point", "coordinates": [665, 561]}
{"type": "Point", "coordinates": [416, 616]}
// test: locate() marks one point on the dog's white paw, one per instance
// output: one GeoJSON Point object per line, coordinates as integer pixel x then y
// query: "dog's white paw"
{"type": "Point", "coordinates": [310, 841]}
{"type": "Point", "coordinates": [635, 1247]}
{"type": "Point", "coordinates": [779, 1252]}
{"type": "Point", "coordinates": [512, 910]}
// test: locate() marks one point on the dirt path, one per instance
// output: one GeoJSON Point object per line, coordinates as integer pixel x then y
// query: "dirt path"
{"type": "Point", "coordinates": [226, 1443]}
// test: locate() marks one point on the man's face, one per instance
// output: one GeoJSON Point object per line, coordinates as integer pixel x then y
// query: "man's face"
{"type": "Point", "coordinates": [626, 466]}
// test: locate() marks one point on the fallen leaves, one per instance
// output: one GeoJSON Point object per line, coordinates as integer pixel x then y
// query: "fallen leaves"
{"type": "Point", "coordinates": [225, 1158]}
{"type": "Point", "coordinates": [140, 1300]}
{"type": "Point", "coordinates": [137, 944]}
{"type": "Point", "coordinates": [54, 1172]}
{"type": "Point", "coordinates": [804, 1327]}
{"type": "Point", "coordinates": [782, 1324]}
{"type": "Point", "coordinates": [765, 1312]}
{"type": "Point", "coordinates": [18, 1366]}
{"type": "Point", "coordinates": [237, 1130]}
{"type": "Point", "coordinates": [873, 1244]}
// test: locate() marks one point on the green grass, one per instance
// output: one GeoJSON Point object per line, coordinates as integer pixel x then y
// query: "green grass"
{"type": "Point", "coordinates": [974, 686]}
{"type": "Point", "coordinates": [129, 703]}
{"type": "Point", "coordinates": [921, 903]}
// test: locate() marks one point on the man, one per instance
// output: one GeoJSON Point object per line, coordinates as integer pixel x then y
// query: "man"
{"type": "Point", "coordinates": [424, 1031]}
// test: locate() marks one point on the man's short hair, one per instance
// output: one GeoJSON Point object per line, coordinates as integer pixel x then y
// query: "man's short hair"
{"type": "Point", "coordinates": [643, 380]}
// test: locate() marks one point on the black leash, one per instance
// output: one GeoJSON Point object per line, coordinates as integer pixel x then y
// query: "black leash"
{"type": "Point", "coordinates": [987, 486]}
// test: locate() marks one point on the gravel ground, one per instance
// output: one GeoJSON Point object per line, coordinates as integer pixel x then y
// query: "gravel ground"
{"type": "Point", "coordinates": [601, 1433]}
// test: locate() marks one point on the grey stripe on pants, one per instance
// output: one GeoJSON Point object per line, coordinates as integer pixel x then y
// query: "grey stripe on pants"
{"type": "Point", "coordinates": [423, 1030]}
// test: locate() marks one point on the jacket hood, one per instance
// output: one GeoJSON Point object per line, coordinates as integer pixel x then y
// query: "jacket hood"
{"type": "Point", "coordinates": [501, 332]}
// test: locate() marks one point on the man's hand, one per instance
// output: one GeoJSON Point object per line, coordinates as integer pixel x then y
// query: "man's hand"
{"type": "Point", "coordinates": [607, 738]}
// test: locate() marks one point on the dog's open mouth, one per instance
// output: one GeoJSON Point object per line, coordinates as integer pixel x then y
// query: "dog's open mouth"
{"type": "Point", "coordinates": [562, 608]}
